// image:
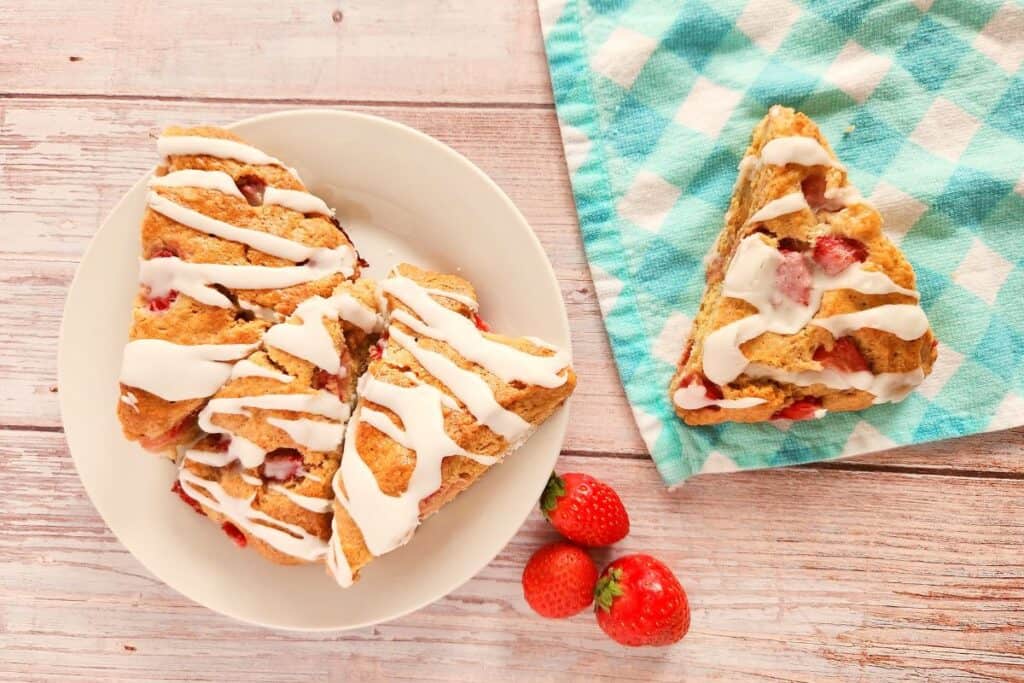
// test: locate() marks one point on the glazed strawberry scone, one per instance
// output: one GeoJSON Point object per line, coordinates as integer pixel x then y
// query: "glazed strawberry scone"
{"type": "Point", "coordinates": [443, 401]}
{"type": "Point", "coordinates": [808, 308]}
{"type": "Point", "coordinates": [275, 428]}
{"type": "Point", "coordinates": [231, 243]}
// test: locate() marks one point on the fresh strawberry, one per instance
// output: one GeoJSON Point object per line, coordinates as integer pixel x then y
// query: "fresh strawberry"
{"type": "Point", "coordinates": [793, 277]}
{"type": "Point", "coordinates": [802, 409]}
{"type": "Point", "coordinates": [835, 254]}
{"type": "Point", "coordinates": [641, 602]}
{"type": "Point", "coordinates": [480, 324]}
{"type": "Point", "coordinates": [844, 356]}
{"type": "Point", "coordinates": [584, 509]}
{"type": "Point", "coordinates": [189, 500]}
{"type": "Point", "coordinates": [559, 580]}
{"type": "Point", "coordinates": [282, 464]}
{"type": "Point", "coordinates": [234, 534]}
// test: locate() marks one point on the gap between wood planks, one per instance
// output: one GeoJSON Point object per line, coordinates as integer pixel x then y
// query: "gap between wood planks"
{"type": "Point", "coordinates": [838, 465]}
{"type": "Point", "coordinates": [301, 101]}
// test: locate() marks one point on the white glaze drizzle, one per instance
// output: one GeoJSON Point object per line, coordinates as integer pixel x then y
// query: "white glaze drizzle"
{"type": "Point", "coordinates": [247, 368]}
{"type": "Point", "coordinates": [296, 200]}
{"type": "Point", "coordinates": [261, 312]}
{"type": "Point", "coordinates": [387, 521]}
{"type": "Point", "coordinates": [251, 480]}
{"type": "Point", "coordinates": [218, 181]}
{"type": "Point", "coordinates": [310, 339]}
{"type": "Point", "coordinates": [885, 386]}
{"type": "Point", "coordinates": [248, 453]}
{"type": "Point", "coordinates": [130, 399]}
{"type": "Point", "coordinates": [751, 277]}
{"type": "Point", "coordinates": [436, 321]}
{"type": "Point", "coordinates": [786, 204]}
{"type": "Point", "coordinates": [694, 396]}
{"type": "Point", "coordinates": [312, 434]}
{"type": "Point", "coordinates": [906, 321]}
{"type": "Point", "coordinates": [312, 503]}
{"type": "Point", "coordinates": [266, 242]}
{"type": "Point", "coordinates": [197, 145]}
{"type": "Point", "coordinates": [176, 372]}
{"type": "Point", "coordinates": [337, 563]}
{"type": "Point", "coordinates": [162, 275]}
{"type": "Point", "coordinates": [796, 149]}
{"type": "Point", "coordinates": [290, 539]}
{"type": "Point", "coordinates": [467, 301]}
{"type": "Point", "coordinates": [467, 386]}
{"type": "Point", "coordinates": [211, 458]}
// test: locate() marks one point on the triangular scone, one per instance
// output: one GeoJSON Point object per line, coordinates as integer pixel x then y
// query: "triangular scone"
{"type": "Point", "coordinates": [809, 308]}
{"type": "Point", "coordinates": [445, 399]}
{"type": "Point", "coordinates": [276, 428]}
{"type": "Point", "coordinates": [231, 243]}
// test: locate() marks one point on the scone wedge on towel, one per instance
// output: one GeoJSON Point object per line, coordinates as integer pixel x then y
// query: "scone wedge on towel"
{"type": "Point", "coordinates": [274, 430]}
{"type": "Point", "coordinates": [444, 400]}
{"type": "Point", "coordinates": [230, 244]}
{"type": "Point", "coordinates": [809, 308]}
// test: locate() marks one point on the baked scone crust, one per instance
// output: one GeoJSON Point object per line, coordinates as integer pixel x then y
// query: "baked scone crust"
{"type": "Point", "coordinates": [833, 209]}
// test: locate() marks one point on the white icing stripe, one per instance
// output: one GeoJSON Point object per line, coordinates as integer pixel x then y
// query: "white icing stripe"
{"type": "Point", "coordinates": [796, 149]}
{"type": "Point", "coordinates": [337, 563]}
{"type": "Point", "coordinates": [130, 399]}
{"type": "Point", "coordinates": [211, 458]}
{"type": "Point", "coordinates": [751, 277]}
{"type": "Point", "coordinates": [389, 521]}
{"type": "Point", "coordinates": [885, 386]}
{"type": "Point", "coordinates": [162, 275]}
{"type": "Point", "coordinates": [290, 539]}
{"type": "Point", "coordinates": [246, 368]}
{"type": "Point", "coordinates": [261, 312]}
{"type": "Point", "coordinates": [176, 372]}
{"type": "Point", "coordinates": [903, 320]}
{"type": "Point", "coordinates": [248, 453]}
{"type": "Point", "coordinates": [780, 207]}
{"type": "Point", "coordinates": [311, 503]}
{"type": "Point", "coordinates": [312, 434]}
{"type": "Point", "coordinates": [206, 180]}
{"type": "Point", "coordinates": [694, 396]}
{"type": "Point", "coordinates": [263, 241]}
{"type": "Point", "coordinates": [467, 301]}
{"type": "Point", "coordinates": [196, 145]}
{"type": "Point", "coordinates": [310, 339]}
{"type": "Point", "coordinates": [461, 334]}
{"type": "Point", "coordinates": [251, 480]}
{"type": "Point", "coordinates": [296, 200]}
{"type": "Point", "coordinates": [467, 386]}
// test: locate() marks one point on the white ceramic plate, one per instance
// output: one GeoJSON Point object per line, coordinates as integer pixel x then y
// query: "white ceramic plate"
{"type": "Point", "coordinates": [403, 196]}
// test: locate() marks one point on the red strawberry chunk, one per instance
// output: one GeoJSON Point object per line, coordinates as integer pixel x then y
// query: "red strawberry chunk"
{"type": "Point", "coordinates": [165, 252]}
{"type": "Point", "coordinates": [252, 188]}
{"type": "Point", "coordinates": [282, 464]}
{"type": "Point", "coordinates": [711, 390]}
{"type": "Point", "coordinates": [813, 187]}
{"type": "Point", "coordinates": [162, 303]}
{"type": "Point", "coordinates": [802, 409]}
{"type": "Point", "coordinates": [793, 277]}
{"type": "Point", "coordinates": [835, 253]}
{"type": "Point", "coordinates": [234, 534]}
{"type": "Point", "coordinates": [480, 324]}
{"type": "Point", "coordinates": [189, 500]}
{"type": "Point", "coordinates": [844, 356]}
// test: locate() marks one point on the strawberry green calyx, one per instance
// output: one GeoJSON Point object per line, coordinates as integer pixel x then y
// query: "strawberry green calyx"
{"type": "Point", "coordinates": [554, 490]}
{"type": "Point", "coordinates": [608, 588]}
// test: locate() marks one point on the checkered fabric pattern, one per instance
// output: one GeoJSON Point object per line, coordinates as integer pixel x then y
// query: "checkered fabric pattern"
{"type": "Point", "coordinates": [922, 100]}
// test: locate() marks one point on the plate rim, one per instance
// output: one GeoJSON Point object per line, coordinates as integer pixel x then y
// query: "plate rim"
{"type": "Point", "coordinates": [559, 420]}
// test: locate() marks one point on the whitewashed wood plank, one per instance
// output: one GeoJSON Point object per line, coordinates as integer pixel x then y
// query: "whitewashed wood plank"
{"type": "Point", "coordinates": [428, 50]}
{"type": "Point", "coordinates": [796, 574]}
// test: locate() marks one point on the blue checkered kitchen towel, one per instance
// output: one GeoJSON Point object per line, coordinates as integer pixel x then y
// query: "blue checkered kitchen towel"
{"type": "Point", "coordinates": [923, 100]}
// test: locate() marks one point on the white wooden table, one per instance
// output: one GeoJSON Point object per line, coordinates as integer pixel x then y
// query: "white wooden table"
{"type": "Point", "coordinates": [905, 565]}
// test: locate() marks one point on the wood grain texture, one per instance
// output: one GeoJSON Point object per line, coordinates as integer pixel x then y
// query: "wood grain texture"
{"type": "Point", "coordinates": [422, 51]}
{"type": "Point", "coordinates": [830, 584]}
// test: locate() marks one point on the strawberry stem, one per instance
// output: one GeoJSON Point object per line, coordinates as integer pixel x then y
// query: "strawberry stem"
{"type": "Point", "coordinates": [554, 490]}
{"type": "Point", "coordinates": [608, 588]}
